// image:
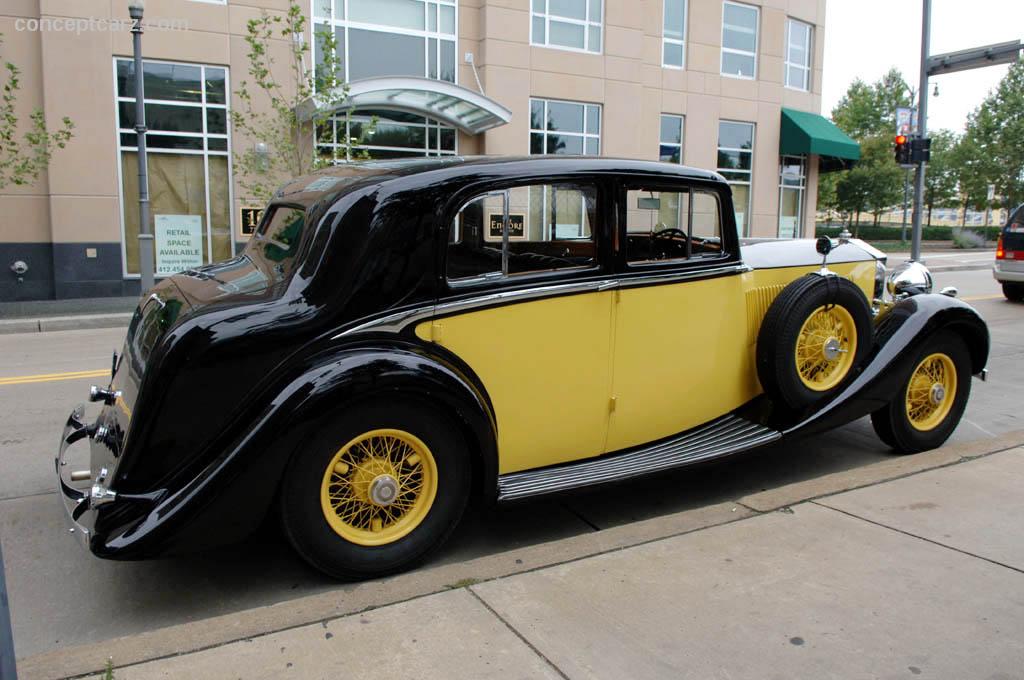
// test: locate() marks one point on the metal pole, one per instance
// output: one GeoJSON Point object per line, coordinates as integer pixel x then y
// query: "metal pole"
{"type": "Point", "coordinates": [8, 671]}
{"type": "Point", "coordinates": [922, 128]}
{"type": "Point", "coordinates": [145, 234]}
{"type": "Point", "coordinates": [906, 199]}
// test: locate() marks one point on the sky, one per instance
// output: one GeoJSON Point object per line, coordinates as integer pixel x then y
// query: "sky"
{"type": "Point", "coordinates": [864, 38]}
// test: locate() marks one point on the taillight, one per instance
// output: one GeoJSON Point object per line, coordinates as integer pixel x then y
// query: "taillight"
{"type": "Point", "coordinates": [1000, 253]}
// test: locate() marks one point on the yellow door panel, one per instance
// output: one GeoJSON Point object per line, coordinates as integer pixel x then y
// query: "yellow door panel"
{"type": "Point", "coordinates": [680, 358]}
{"type": "Point", "coordinates": [546, 366]}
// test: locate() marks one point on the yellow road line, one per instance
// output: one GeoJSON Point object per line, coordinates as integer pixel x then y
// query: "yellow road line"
{"type": "Point", "coordinates": [975, 298]}
{"type": "Point", "coordinates": [50, 377]}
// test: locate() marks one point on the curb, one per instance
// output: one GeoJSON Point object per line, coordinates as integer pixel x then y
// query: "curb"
{"type": "Point", "coordinates": [185, 638]}
{"type": "Point", "coordinates": [64, 323]}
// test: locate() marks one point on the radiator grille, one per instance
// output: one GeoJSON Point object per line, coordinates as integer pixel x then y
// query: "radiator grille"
{"type": "Point", "coordinates": [758, 301]}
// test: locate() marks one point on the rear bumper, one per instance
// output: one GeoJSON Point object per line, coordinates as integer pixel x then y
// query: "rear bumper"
{"type": "Point", "coordinates": [1004, 274]}
{"type": "Point", "coordinates": [80, 517]}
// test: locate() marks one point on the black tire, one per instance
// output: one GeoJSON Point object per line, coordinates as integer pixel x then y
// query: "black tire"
{"type": "Point", "coordinates": [777, 339]}
{"type": "Point", "coordinates": [319, 544]}
{"type": "Point", "coordinates": [1014, 292]}
{"type": "Point", "coordinates": [893, 425]}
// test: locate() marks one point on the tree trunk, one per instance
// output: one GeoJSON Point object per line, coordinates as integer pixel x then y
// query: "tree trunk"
{"type": "Point", "coordinates": [963, 218]}
{"type": "Point", "coordinates": [929, 215]}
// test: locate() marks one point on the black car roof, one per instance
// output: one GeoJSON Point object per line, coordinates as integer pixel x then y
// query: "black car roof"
{"type": "Point", "coordinates": [347, 177]}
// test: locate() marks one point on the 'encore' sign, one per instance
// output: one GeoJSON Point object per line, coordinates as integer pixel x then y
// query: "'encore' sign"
{"type": "Point", "coordinates": [179, 243]}
{"type": "Point", "coordinates": [516, 226]}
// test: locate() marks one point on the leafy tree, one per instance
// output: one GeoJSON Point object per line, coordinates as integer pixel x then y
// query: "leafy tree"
{"type": "Point", "coordinates": [972, 167]}
{"type": "Point", "coordinates": [869, 110]}
{"type": "Point", "coordinates": [874, 184]}
{"type": "Point", "coordinates": [995, 138]}
{"type": "Point", "coordinates": [267, 114]}
{"type": "Point", "coordinates": [22, 159]}
{"type": "Point", "coordinates": [940, 180]}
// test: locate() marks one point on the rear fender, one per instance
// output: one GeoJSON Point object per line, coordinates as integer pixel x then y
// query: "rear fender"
{"type": "Point", "coordinates": [238, 486]}
{"type": "Point", "coordinates": [899, 335]}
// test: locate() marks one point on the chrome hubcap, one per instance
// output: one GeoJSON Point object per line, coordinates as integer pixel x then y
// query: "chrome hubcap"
{"type": "Point", "coordinates": [937, 393]}
{"type": "Point", "coordinates": [831, 349]}
{"type": "Point", "coordinates": [383, 490]}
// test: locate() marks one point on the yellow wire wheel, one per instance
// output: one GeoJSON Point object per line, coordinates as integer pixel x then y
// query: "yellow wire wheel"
{"type": "Point", "coordinates": [379, 487]}
{"type": "Point", "coordinates": [826, 346]}
{"type": "Point", "coordinates": [931, 392]}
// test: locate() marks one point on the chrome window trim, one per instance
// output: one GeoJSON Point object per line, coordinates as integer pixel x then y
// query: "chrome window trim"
{"type": "Point", "coordinates": [399, 321]}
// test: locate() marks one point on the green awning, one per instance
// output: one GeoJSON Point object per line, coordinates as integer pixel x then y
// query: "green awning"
{"type": "Point", "coordinates": [806, 133]}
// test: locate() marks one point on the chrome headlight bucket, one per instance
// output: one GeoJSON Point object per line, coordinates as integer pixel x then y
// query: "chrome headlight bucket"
{"type": "Point", "coordinates": [909, 278]}
{"type": "Point", "coordinates": [880, 271]}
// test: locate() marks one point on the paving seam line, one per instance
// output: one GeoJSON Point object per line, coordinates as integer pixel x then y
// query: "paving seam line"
{"type": "Point", "coordinates": [515, 632]}
{"type": "Point", "coordinates": [538, 567]}
{"type": "Point", "coordinates": [920, 538]}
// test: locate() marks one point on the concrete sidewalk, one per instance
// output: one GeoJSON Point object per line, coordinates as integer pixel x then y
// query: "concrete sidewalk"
{"type": "Point", "coordinates": [919, 576]}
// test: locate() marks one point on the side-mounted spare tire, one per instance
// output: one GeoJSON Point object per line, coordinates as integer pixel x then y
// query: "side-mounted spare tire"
{"type": "Point", "coordinates": [813, 339]}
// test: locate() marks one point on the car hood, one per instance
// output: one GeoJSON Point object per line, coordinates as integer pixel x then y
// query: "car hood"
{"type": "Point", "coordinates": [774, 253]}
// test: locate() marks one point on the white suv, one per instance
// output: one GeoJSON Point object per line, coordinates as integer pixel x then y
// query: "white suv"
{"type": "Point", "coordinates": [1009, 266]}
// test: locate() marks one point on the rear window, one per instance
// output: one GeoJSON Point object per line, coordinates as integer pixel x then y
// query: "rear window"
{"type": "Point", "coordinates": [275, 244]}
{"type": "Point", "coordinates": [1013, 232]}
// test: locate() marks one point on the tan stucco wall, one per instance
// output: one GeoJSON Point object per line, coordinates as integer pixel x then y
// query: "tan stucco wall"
{"type": "Point", "coordinates": [627, 79]}
{"type": "Point", "coordinates": [72, 74]}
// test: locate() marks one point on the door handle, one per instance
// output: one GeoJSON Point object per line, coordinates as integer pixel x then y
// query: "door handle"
{"type": "Point", "coordinates": [607, 285]}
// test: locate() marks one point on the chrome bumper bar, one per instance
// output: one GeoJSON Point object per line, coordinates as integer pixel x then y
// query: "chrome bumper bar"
{"type": "Point", "coordinates": [76, 501]}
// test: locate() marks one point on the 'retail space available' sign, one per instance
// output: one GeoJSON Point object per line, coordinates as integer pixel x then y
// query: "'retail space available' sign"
{"type": "Point", "coordinates": [179, 243]}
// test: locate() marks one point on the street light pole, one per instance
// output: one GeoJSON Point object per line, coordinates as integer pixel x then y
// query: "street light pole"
{"type": "Point", "coordinates": [922, 129]}
{"type": "Point", "coordinates": [135, 11]}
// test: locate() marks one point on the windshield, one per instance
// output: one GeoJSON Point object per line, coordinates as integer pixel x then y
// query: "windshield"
{"type": "Point", "coordinates": [274, 246]}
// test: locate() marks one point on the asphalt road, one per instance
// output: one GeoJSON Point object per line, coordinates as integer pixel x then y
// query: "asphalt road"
{"type": "Point", "coordinates": [61, 595]}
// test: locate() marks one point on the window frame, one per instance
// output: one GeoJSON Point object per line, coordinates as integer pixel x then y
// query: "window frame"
{"type": "Point", "coordinates": [468, 194]}
{"type": "Point", "coordinates": [665, 40]}
{"type": "Point", "coordinates": [426, 34]}
{"type": "Point", "coordinates": [730, 248]}
{"type": "Point", "coordinates": [584, 135]}
{"type": "Point", "coordinates": [682, 137]}
{"type": "Point", "coordinates": [732, 50]}
{"type": "Point", "coordinates": [800, 188]}
{"type": "Point", "coordinates": [205, 152]}
{"type": "Point", "coordinates": [585, 23]}
{"type": "Point", "coordinates": [749, 183]}
{"type": "Point", "coordinates": [808, 47]}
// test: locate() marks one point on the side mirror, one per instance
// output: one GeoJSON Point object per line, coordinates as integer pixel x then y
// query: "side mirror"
{"type": "Point", "coordinates": [823, 245]}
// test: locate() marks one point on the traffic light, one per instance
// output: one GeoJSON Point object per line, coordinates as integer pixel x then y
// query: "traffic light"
{"type": "Point", "coordinates": [920, 150]}
{"type": "Point", "coordinates": [902, 150]}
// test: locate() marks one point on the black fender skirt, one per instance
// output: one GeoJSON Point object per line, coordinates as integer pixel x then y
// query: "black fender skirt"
{"type": "Point", "coordinates": [899, 334]}
{"type": "Point", "coordinates": [231, 495]}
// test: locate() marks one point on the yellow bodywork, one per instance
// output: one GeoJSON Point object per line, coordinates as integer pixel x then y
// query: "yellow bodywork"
{"type": "Point", "coordinates": [580, 375]}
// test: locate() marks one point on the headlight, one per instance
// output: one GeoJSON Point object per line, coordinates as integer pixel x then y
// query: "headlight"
{"type": "Point", "coordinates": [909, 278]}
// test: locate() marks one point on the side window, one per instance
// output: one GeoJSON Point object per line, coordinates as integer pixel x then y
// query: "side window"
{"type": "Point", "coordinates": [524, 230]}
{"type": "Point", "coordinates": [671, 225]}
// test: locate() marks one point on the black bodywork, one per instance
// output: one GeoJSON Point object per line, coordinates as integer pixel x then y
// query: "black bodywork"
{"type": "Point", "coordinates": [228, 369]}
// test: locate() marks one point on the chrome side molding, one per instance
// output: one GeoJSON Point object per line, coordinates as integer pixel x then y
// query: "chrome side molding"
{"type": "Point", "coordinates": [720, 437]}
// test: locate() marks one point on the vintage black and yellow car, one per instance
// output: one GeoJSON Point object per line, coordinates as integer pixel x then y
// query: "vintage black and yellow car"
{"type": "Point", "coordinates": [401, 337]}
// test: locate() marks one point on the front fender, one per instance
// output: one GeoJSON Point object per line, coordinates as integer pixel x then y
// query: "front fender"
{"type": "Point", "coordinates": [899, 334]}
{"type": "Point", "coordinates": [237, 487]}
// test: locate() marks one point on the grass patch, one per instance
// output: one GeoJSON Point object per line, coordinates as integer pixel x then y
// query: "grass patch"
{"type": "Point", "coordinates": [462, 583]}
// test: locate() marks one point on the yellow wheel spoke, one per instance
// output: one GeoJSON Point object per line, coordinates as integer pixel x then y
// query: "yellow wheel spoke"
{"type": "Point", "coordinates": [826, 328]}
{"type": "Point", "coordinates": [931, 392]}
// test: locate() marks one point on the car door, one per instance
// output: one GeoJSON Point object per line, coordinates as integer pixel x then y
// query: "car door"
{"type": "Point", "coordinates": [680, 354]}
{"type": "Point", "coordinates": [528, 310]}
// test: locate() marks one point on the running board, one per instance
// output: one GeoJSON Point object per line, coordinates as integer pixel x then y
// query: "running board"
{"type": "Point", "coordinates": [720, 437]}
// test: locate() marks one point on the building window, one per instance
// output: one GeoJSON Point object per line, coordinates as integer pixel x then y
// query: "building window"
{"type": "Point", "coordinates": [673, 37]}
{"type": "Point", "coordinates": [390, 37]}
{"type": "Point", "coordinates": [670, 147]}
{"type": "Point", "coordinates": [189, 159]}
{"type": "Point", "coordinates": [566, 24]}
{"type": "Point", "coordinates": [735, 163]}
{"type": "Point", "coordinates": [792, 186]}
{"type": "Point", "coordinates": [798, 55]}
{"type": "Point", "coordinates": [558, 127]}
{"type": "Point", "coordinates": [394, 134]}
{"type": "Point", "coordinates": [739, 40]}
